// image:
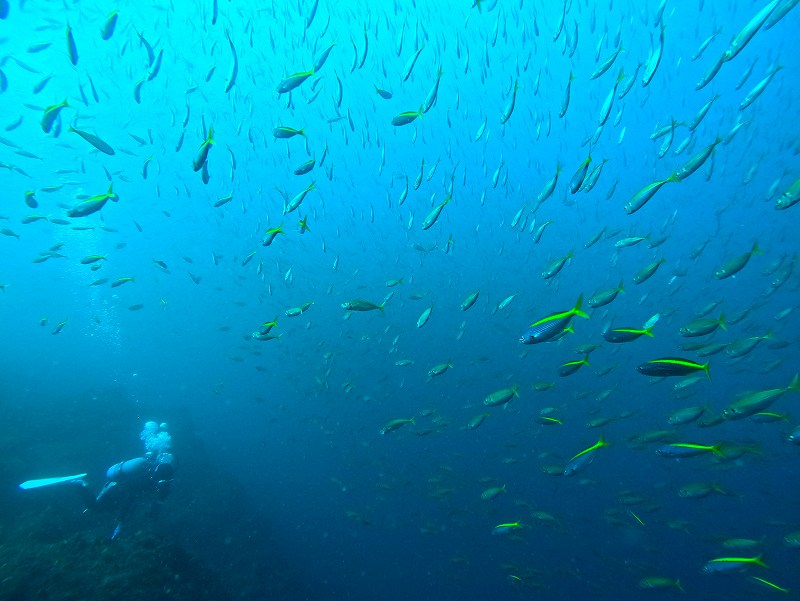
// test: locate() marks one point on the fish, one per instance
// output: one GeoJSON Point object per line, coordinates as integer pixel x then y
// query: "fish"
{"type": "Point", "coordinates": [688, 449]}
{"type": "Point", "coordinates": [647, 271]}
{"type": "Point", "coordinates": [660, 583]}
{"type": "Point", "coordinates": [93, 204]}
{"type": "Point", "coordinates": [290, 82]}
{"type": "Point", "coordinates": [506, 528]}
{"type": "Point", "coordinates": [109, 26]}
{"type": "Point", "coordinates": [362, 305]}
{"type": "Point", "coordinates": [728, 564]}
{"type": "Point", "coordinates": [433, 216]}
{"type": "Point", "coordinates": [270, 234]}
{"type": "Point", "coordinates": [406, 117]}
{"type": "Point", "coordinates": [201, 157]}
{"type": "Point", "coordinates": [736, 264]}
{"type": "Point", "coordinates": [790, 197]}
{"type": "Point", "coordinates": [72, 48]}
{"type": "Point", "coordinates": [385, 94]}
{"type": "Point", "coordinates": [423, 319]}
{"type": "Point", "coordinates": [469, 300]}
{"type": "Point", "coordinates": [284, 133]}
{"type": "Point", "coordinates": [549, 327]}
{"type": "Point", "coordinates": [501, 397]}
{"type": "Point", "coordinates": [120, 281]}
{"type": "Point", "coordinates": [305, 167]}
{"type": "Point", "coordinates": [93, 140]}
{"type": "Point", "coordinates": [672, 366]}
{"type": "Point", "coordinates": [644, 195]}
{"type": "Point", "coordinates": [395, 424]}
{"type": "Point", "coordinates": [703, 327]}
{"type": "Point", "coordinates": [509, 109]}
{"type": "Point", "coordinates": [50, 115]}
{"type": "Point", "coordinates": [409, 66]}
{"type": "Point", "coordinates": [604, 297]}
{"type": "Point", "coordinates": [492, 493]}
{"type": "Point", "coordinates": [298, 198]}
{"type": "Point", "coordinates": [755, 402]}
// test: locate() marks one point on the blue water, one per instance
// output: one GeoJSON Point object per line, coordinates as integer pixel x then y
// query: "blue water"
{"type": "Point", "coordinates": [286, 483]}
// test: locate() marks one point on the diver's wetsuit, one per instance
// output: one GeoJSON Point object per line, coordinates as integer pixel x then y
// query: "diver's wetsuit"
{"type": "Point", "coordinates": [121, 495]}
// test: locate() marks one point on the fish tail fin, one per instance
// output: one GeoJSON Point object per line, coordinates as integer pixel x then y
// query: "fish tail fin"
{"type": "Point", "coordinates": [794, 385]}
{"type": "Point", "coordinates": [381, 306]}
{"type": "Point", "coordinates": [717, 450]}
{"type": "Point", "coordinates": [755, 250]}
{"type": "Point", "coordinates": [620, 288]}
{"type": "Point", "coordinates": [412, 422]}
{"type": "Point", "coordinates": [759, 560]}
{"type": "Point", "coordinates": [679, 586]}
{"type": "Point", "coordinates": [707, 369]}
{"type": "Point", "coordinates": [722, 322]}
{"type": "Point", "coordinates": [515, 390]}
{"type": "Point", "coordinates": [576, 310]}
{"type": "Point", "coordinates": [210, 138]}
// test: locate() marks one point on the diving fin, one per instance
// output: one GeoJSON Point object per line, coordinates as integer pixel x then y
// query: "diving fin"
{"type": "Point", "coordinates": [50, 481]}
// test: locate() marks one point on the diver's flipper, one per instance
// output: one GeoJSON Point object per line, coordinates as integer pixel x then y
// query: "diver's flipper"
{"type": "Point", "coordinates": [49, 481]}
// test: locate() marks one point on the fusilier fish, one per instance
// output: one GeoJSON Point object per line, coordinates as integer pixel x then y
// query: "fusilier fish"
{"type": "Point", "coordinates": [551, 326]}
{"type": "Point", "coordinates": [602, 298]}
{"type": "Point", "coordinates": [431, 218]}
{"type": "Point", "coordinates": [671, 366]}
{"type": "Point", "coordinates": [501, 397]}
{"type": "Point", "coordinates": [93, 204]}
{"type": "Point", "coordinates": [202, 153]}
{"type": "Point", "coordinates": [362, 305]}
{"type": "Point", "coordinates": [735, 265]}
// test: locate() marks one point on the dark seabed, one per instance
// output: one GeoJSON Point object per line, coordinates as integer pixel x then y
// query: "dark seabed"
{"type": "Point", "coordinates": [399, 278]}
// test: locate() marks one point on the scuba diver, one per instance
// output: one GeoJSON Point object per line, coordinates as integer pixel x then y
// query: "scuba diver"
{"type": "Point", "coordinates": [129, 482]}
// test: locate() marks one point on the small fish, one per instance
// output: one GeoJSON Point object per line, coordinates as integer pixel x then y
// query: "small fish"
{"type": "Point", "coordinates": [109, 26]}
{"type": "Point", "coordinates": [735, 265]}
{"type": "Point", "coordinates": [470, 300]}
{"type": "Point", "coordinates": [284, 133]}
{"type": "Point", "coordinates": [506, 528]}
{"type": "Point", "coordinates": [305, 167]}
{"type": "Point", "coordinates": [89, 259]}
{"type": "Point", "coordinates": [202, 153]}
{"type": "Point", "coordinates": [438, 370]}
{"type": "Point", "coordinates": [501, 397]}
{"type": "Point", "coordinates": [423, 319]}
{"type": "Point", "coordinates": [362, 305]}
{"type": "Point", "coordinates": [601, 299]}
{"type": "Point", "coordinates": [121, 281]}
{"type": "Point", "coordinates": [395, 424]}
{"type": "Point", "coordinates": [703, 327]}
{"type": "Point", "coordinates": [671, 366]}
{"type": "Point", "coordinates": [93, 204]}
{"type": "Point", "coordinates": [406, 117]}
{"type": "Point", "coordinates": [290, 82]}
{"type": "Point", "coordinates": [433, 216]}
{"type": "Point", "coordinates": [270, 234]}
{"type": "Point", "coordinates": [492, 493]}
{"type": "Point", "coordinates": [660, 583]}
{"type": "Point", "coordinates": [93, 140]}
{"type": "Point", "coordinates": [72, 48]}
{"type": "Point", "coordinates": [385, 94]}
{"type": "Point", "coordinates": [647, 271]}
{"type": "Point", "coordinates": [51, 114]}
{"type": "Point", "coordinates": [476, 421]}
{"type": "Point", "coordinates": [727, 564]}
{"type": "Point", "coordinates": [551, 326]}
